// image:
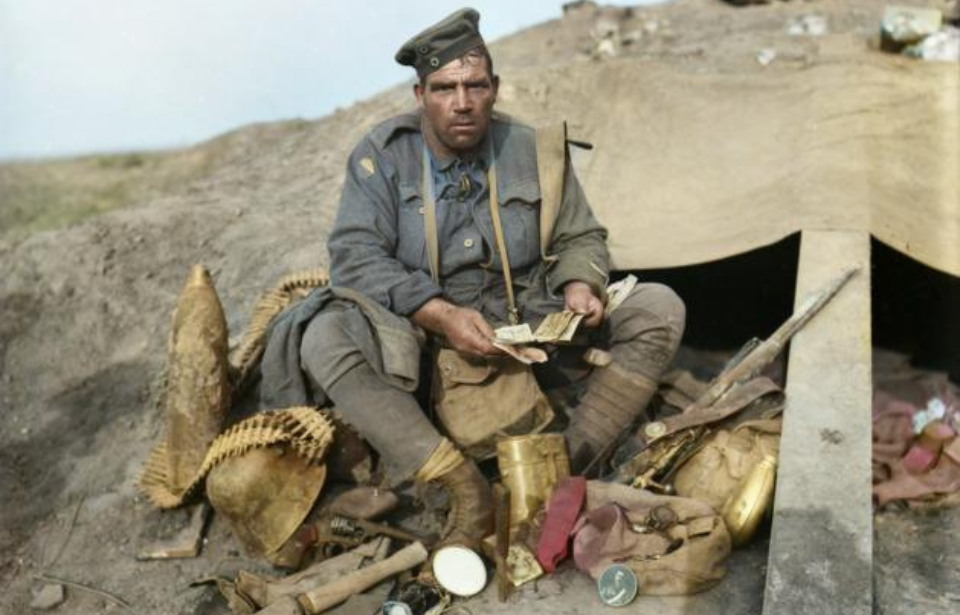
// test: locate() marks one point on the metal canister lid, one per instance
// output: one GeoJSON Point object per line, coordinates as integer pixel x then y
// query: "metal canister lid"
{"type": "Point", "coordinates": [655, 430]}
{"type": "Point", "coordinates": [617, 585]}
{"type": "Point", "coordinates": [459, 570]}
{"type": "Point", "coordinates": [395, 607]}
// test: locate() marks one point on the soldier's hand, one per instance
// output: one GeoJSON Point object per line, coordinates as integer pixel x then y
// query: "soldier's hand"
{"type": "Point", "coordinates": [465, 329]}
{"type": "Point", "coordinates": [578, 297]}
{"type": "Point", "coordinates": [468, 332]}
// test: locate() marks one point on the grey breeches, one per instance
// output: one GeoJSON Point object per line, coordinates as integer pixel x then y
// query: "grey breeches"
{"type": "Point", "coordinates": [645, 331]}
{"type": "Point", "coordinates": [643, 335]}
{"type": "Point", "coordinates": [388, 418]}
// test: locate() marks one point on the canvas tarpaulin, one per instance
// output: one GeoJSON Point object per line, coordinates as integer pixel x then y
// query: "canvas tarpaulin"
{"type": "Point", "coordinates": [691, 167]}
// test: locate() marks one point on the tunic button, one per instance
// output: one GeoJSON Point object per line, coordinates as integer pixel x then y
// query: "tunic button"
{"type": "Point", "coordinates": [468, 243]}
{"type": "Point", "coordinates": [422, 210]}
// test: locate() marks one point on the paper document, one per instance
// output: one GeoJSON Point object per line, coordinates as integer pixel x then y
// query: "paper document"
{"type": "Point", "coordinates": [618, 291]}
{"type": "Point", "coordinates": [515, 334]}
{"type": "Point", "coordinates": [524, 354]}
{"type": "Point", "coordinates": [559, 327]}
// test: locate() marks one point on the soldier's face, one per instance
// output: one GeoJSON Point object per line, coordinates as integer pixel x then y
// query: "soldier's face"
{"type": "Point", "coordinates": [457, 101]}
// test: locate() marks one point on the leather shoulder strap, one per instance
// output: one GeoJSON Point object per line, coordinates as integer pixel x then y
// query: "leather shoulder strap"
{"type": "Point", "coordinates": [551, 166]}
{"type": "Point", "coordinates": [512, 311]}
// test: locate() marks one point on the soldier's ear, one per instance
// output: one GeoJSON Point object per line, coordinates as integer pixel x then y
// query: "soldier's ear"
{"type": "Point", "coordinates": [418, 91]}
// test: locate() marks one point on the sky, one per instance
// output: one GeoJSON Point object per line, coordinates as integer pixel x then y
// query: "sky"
{"type": "Point", "coordinates": [86, 76]}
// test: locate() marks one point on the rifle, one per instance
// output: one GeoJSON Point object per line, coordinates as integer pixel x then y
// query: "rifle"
{"type": "Point", "coordinates": [764, 353]}
{"type": "Point", "coordinates": [658, 461]}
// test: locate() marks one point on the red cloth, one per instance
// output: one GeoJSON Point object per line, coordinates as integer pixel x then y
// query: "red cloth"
{"type": "Point", "coordinates": [903, 467]}
{"type": "Point", "coordinates": [562, 512]}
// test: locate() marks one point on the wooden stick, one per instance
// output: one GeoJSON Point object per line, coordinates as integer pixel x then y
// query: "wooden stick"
{"type": "Point", "coordinates": [186, 543]}
{"type": "Point", "coordinates": [331, 594]}
{"type": "Point", "coordinates": [93, 590]}
{"type": "Point", "coordinates": [501, 516]}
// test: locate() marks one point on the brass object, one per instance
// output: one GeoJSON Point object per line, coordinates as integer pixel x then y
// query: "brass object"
{"type": "Point", "coordinates": [654, 466]}
{"type": "Point", "coordinates": [265, 495]}
{"type": "Point", "coordinates": [522, 565]}
{"type": "Point", "coordinates": [530, 467]}
{"type": "Point", "coordinates": [744, 510]}
{"type": "Point", "coordinates": [197, 393]}
{"type": "Point", "coordinates": [659, 462]}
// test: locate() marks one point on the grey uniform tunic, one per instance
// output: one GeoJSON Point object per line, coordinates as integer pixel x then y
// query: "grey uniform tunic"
{"type": "Point", "coordinates": [378, 244]}
{"type": "Point", "coordinates": [378, 249]}
{"type": "Point", "coordinates": [358, 331]}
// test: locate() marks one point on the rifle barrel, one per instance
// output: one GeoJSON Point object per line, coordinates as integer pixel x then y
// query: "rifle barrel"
{"type": "Point", "coordinates": [767, 351]}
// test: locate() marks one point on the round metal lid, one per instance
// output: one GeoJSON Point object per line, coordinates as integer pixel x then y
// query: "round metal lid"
{"type": "Point", "coordinates": [459, 570]}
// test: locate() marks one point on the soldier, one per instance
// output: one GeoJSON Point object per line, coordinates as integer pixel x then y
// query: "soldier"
{"type": "Point", "coordinates": [359, 342]}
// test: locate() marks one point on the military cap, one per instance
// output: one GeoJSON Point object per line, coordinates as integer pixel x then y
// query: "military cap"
{"type": "Point", "coordinates": [442, 42]}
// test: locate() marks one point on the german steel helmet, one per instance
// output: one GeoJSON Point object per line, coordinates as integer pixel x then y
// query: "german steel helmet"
{"type": "Point", "coordinates": [265, 494]}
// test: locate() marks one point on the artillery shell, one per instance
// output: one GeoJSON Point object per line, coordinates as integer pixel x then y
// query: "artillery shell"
{"type": "Point", "coordinates": [198, 386]}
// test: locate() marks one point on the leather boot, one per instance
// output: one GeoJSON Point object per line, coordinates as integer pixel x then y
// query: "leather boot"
{"type": "Point", "coordinates": [471, 500]}
{"type": "Point", "coordinates": [614, 399]}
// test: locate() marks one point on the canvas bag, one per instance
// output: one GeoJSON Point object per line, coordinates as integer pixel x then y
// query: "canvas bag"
{"type": "Point", "coordinates": [715, 472]}
{"type": "Point", "coordinates": [478, 400]}
{"type": "Point", "coordinates": [686, 557]}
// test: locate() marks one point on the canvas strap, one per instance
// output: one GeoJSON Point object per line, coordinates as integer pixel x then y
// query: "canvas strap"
{"type": "Point", "coordinates": [551, 166]}
{"type": "Point", "coordinates": [737, 399]}
{"type": "Point", "coordinates": [512, 311]}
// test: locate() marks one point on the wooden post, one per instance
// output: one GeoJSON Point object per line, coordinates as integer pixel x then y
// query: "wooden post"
{"type": "Point", "coordinates": [821, 548]}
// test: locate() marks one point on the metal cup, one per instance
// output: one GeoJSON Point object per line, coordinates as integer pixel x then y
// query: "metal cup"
{"type": "Point", "coordinates": [530, 467]}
